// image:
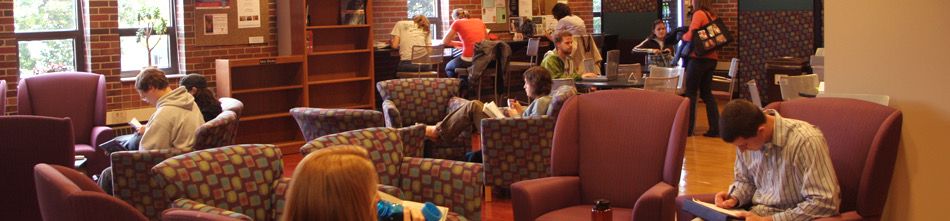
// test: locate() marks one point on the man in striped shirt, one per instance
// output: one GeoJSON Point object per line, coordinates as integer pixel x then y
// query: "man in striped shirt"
{"type": "Point", "coordinates": [783, 169]}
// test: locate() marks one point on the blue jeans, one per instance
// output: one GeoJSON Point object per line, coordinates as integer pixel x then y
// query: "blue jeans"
{"type": "Point", "coordinates": [408, 66]}
{"type": "Point", "coordinates": [457, 62]}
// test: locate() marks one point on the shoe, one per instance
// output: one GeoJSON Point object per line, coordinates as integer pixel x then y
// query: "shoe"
{"type": "Point", "coordinates": [711, 134]}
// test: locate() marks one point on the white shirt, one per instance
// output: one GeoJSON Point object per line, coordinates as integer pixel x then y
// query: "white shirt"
{"type": "Point", "coordinates": [409, 35]}
{"type": "Point", "coordinates": [572, 24]}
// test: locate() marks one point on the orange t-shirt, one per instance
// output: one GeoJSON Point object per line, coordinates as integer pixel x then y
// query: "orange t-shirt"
{"type": "Point", "coordinates": [700, 18]}
{"type": "Point", "coordinates": [471, 31]}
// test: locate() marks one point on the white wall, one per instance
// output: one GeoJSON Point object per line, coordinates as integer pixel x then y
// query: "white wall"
{"type": "Point", "coordinates": [901, 49]}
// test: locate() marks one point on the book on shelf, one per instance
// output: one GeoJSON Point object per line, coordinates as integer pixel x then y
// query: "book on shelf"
{"type": "Point", "coordinates": [309, 41]}
{"type": "Point", "coordinates": [352, 12]}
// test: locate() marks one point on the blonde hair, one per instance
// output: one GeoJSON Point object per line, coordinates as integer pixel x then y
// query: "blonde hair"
{"type": "Point", "coordinates": [460, 13]}
{"type": "Point", "coordinates": [336, 183]}
{"type": "Point", "coordinates": [422, 22]}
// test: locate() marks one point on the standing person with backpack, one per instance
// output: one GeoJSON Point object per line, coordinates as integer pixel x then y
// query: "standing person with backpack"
{"type": "Point", "coordinates": [699, 71]}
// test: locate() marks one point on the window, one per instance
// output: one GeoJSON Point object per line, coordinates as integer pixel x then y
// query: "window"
{"type": "Point", "coordinates": [598, 14]}
{"type": "Point", "coordinates": [49, 35]}
{"type": "Point", "coordinates": [432, 10]}
{"type": "Point", "coordinates": [134, 48]}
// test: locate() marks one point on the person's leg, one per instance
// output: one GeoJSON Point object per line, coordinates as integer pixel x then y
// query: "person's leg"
{"type": "Point", "coordinates": [691, 82]}
{"type": "Point", "coordinates": [705, 92]}
{"type": "Point", "coordinates": [132, 143]}
{"type": "Point", "coordinates": [105, 180]}
{"type": "Point", "coordinates": [467, 116]}
{"type": "Point", "coordinates": [407, 66]}
{"type": "Point", "coordinates": [457, 62]}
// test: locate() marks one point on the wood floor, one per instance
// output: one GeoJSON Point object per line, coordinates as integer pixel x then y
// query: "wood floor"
{"type": "Point", "coordinates": [707, 168]}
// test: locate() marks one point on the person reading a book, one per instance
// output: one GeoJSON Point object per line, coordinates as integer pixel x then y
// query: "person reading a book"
{"type": "Point", "coordinates": [559, 62]}
{"type": "Point", "coordinates": [406, 35]}
{"type": "Point", "coordinates": [172, 126]}
{"type": "Point", "coordinates": [340, 183]}
{"type": "Point", "coordinates": [537, 85]}
{"type": "Point", "coordinates": [783, 170]}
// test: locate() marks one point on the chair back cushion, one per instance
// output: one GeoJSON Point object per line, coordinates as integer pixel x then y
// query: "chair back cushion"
{"type": "Point", "coordinates": [862, 139]}
{"type": "Point", "coordinates": [619, 153]}
{"type": "Point", "coordinates": [231, 104]}
{"type": "Point", "coordinates": [79, 96]}
{"type": "Point", "coordinates": [516, 149]}
{"type": "Point", "coordinates": [27, 141]}
{"type": "Point", "coordinates": [134, 182]}
{"type": "Point", "coordinates": [218, 132]}
{"type": "Point", "coordinates": [317, 122]}
{"type": "Point", "coordinates": [383, 144]}
{"type": "Point", "coordinates": [238, 178]}
{"type": "Point", "coordinates": [420, 100]}
{"type": "Point", "coordinates": [67, 194]}
{"type": "Point", "coordinates": [558, 97]}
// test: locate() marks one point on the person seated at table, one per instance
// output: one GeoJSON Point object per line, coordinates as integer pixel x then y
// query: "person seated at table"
{"type": "Point", "coordinates": [559, 61]}
{"type": "Point", "coordinates": [469, 115]}
{"type": "Point", "coordinates": [783, 169]}
{"type": "Point", "coordinates": [470, 31]}
{"type": "Point", "coordinates": [406, 35]}
{"type": "Point", "coordinates": [338, 183]}
{"type": "Point", "coordinates": [658, 52]}
{"type": "Point", "coordinates": [197, 86]}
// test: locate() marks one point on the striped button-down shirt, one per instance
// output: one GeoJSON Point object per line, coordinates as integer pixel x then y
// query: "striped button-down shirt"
{"type": "Point", "coordinates": [791, 177]}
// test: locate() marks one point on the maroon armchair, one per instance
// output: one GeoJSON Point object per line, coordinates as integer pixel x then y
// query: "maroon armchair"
{"type": "Point", "coordinates": [603, 150]}
{"type": "Point", "coordinates": [26, 141]}
{"type": "Point", "coordinates": [79, 96]}
{"type": "Point", "coordinates": [65, 194]}
{"type": "Point", "coordinates": [862, 139]}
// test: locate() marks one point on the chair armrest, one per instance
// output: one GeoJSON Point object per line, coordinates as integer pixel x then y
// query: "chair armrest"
{"type": "Point", "coordinates": [191, 215]}
{"type": "Point", "coordinates": [201, 207]}
{"type": "Point", "coordinates": [533, 198]}
{"type": "Point", "coordinates": [657, 203]}
{"type": "Point", "coordinates": [92, 205]}
{"type": "Point", "coordinates": [391, 190]}
{"type": "Point", "coordinates": [134, 182]}
{"type": "Point", "coordinates": [683, 214]}
{"type": "Point", "coordinates": [279, 196]}
{"type": "Point", "coordinates": [413, 140]}
{"type": "Point", "coordinates": [516, 149]}
{"type": "Point", "coordinates": [101, 134]}
{"type": "Point", "coordinates": [393, 119]}
{"type": "Point", "coordinates": [453, 184]}
{"type": "Point", "coordinates": [455, 103]}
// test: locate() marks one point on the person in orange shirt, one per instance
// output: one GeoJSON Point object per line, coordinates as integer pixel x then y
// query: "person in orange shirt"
{"type": "Point", "coordinates": [699, 71]}
{"type": "Point", "coordinates": [469, 31]}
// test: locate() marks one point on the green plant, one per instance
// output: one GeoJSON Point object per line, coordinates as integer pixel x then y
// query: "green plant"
{"type": "Point", "coordinates": [150, 23]}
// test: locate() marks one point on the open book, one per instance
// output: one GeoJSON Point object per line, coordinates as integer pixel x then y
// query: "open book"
{"type": "Point", "coordinates": [492, 110]}
{"type": "Point", "coordinates": [135, 124]}
{"type": "Point", "coordinates": [711, 212]}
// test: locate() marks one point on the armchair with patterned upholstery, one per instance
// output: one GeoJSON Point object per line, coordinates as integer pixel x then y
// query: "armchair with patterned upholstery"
{"type": "Point", "coordinates": [863, 139]}
{"type": "Point", "coordinates": [516, 149]}
{"type": "Point", "coordinates": [235, 181]}
{"type": "Point", "coordinates": [317, 122]}
{"type": "Point", "coordinates": [218, 132]}
{"type": "Point", "coordinates": [231, 104]}
{"type": "Point", "coordinates": [453, 184]}
{"type": "Point", "coordinates": [81, 97]}
{"type": "Point", "coordinates": [632, 158]}
{"type": "Point", "coordinates": [134, 182]}
{"type": "Point", "coordinates": [427, 101]}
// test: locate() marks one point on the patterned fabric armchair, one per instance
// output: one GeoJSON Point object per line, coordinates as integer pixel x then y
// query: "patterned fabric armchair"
{"type": "Point", "coordinates": [83, 100]}
{"type": "Point", "coordinates": [453, 184]}
{"type": "Point", "coordinates": [218, 132]}
{"type": "Point", "coordinates": [231, 104]}
{"type": "Point", "coordinates": [317, 122]}
{"type": "Point", "coordinates": [426, 101]}
{"type": "Point", "coordinates": [134, 182]}
{"type": "Point", "coordinates": [516, 149]}
{"type": "Point", "coordinates": [235, 181]}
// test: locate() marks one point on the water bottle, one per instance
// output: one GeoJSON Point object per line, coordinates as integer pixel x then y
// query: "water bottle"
{"type": "Point", "coordinates": [601, 211]}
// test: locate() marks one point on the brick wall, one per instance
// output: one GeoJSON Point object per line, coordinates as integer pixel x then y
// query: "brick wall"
{"type": "Point", "coordinates": [102, 49]}
{"type": "Point", "coordinates": [8, 54]}
{"type": "Point", "coordinates": [385, 15]}
{"type": "Point", "coordinates": [727, 11]}
{"type": "Point", "coordinates": [585, 10]}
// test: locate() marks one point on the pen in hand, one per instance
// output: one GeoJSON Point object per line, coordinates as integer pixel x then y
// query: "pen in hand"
{"type": "Point", "coordinates": [729, 195]}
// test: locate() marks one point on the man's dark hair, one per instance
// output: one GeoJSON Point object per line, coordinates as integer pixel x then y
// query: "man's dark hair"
{"type": "Point", "coordinates": [151, 78]}
{"type": "Point", "coordinates": [560, 36]}
{"type": "Point", "coordinates": [539, 79]}
{"type": "Point", "coordinates": [740, 118]}
{"type": "Point", "coordinates": [560, 11]}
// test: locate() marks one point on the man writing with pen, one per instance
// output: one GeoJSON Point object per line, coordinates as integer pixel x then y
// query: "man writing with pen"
{"type": "Point", "coordinates": [783, 170]}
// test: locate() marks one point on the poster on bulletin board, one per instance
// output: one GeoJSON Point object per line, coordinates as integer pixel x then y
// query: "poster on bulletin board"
{"type": "Point", "coordinates": [231, 22]}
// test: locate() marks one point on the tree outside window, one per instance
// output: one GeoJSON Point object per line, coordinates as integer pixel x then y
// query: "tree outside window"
{"type": "Point", "coordinates": [49, 36]}
{"type": "Point", "coordinates": [134, 53]}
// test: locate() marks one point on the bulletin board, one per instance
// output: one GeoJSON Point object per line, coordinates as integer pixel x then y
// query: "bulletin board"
{"type": "Point", "coordinates": [231, 22]}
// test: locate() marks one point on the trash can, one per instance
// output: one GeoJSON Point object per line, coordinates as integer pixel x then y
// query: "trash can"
{"type": "Point", "coordinates": [783, 66]}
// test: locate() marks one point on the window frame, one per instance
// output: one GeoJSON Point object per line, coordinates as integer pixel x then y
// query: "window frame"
{"type": "Point", "coordinates": [78, 36]}
{"type": "Point", "coordinates": [172, 33]}
{"type": "Point", "coordinates": [436, 21]}
{"type": "Point", "coordinates": [598, 14]}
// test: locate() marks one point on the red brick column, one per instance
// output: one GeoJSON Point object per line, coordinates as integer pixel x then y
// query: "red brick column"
{"type": "Point", "coordinates": [727, 10]}
{"type": "Point", "coordinates": [9, 68]}
{"type": "Point", "coordinates": [102, 47]}
{"type": "Point", "coordinates": [385, 15]}
{"type": "Point", "coordinates": [585, 10]}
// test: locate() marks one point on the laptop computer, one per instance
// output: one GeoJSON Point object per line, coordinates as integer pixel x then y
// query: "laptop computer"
{"type": "Point", "coordinates": [612, 68]}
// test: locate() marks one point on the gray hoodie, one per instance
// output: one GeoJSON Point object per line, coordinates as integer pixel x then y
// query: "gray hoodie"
{"type": "Point", "coordinates": [174, 122]}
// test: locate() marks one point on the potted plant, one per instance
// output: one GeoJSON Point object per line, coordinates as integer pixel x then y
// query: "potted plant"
{"type": "Point", "coordinates": [150, 23]}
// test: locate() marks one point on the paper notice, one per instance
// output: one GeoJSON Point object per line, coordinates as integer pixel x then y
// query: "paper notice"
{"type": "Point", "coordinates": [249, 13]}
{"type": "Point", "coordinates": [255, 40]}
{"type": "Point", "coordinates": [216, 24]}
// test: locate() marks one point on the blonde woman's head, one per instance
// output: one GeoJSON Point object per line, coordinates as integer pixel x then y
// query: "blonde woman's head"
{"type": "Point", "coordinates": [422, 22]}
{"type": "Point", "coordinates": [460, 13]}
{"type": "Point", "coordinates": [336, 183]}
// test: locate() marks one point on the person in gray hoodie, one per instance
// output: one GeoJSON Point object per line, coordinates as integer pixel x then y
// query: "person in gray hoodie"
{"type": "Point", "coordinates": [173, 124]}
